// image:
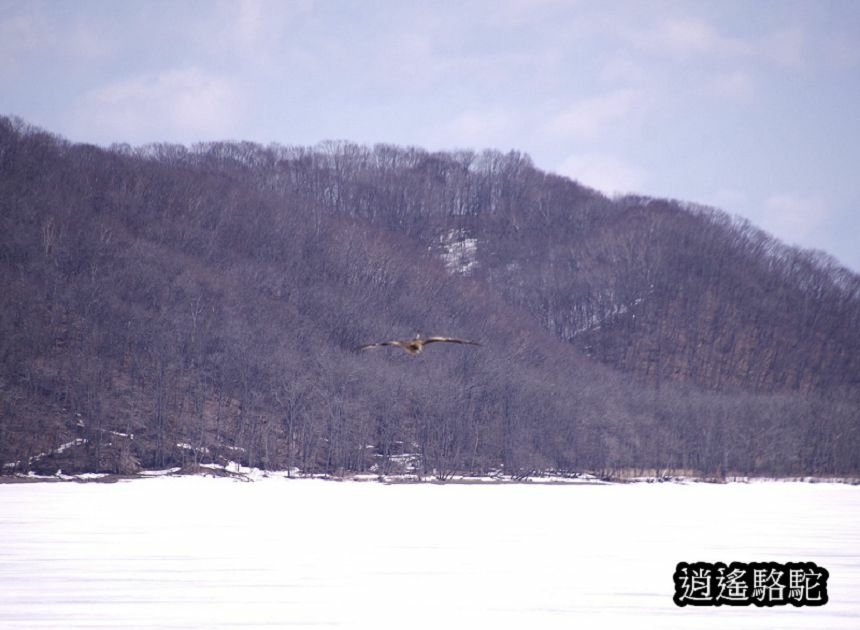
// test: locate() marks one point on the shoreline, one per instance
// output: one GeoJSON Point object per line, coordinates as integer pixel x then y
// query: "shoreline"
{"type": "Point", "coordinates": [243, 474]}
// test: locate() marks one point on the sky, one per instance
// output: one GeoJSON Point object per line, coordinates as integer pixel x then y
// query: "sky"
{"type": "Point", "coordinates": [750, 107]}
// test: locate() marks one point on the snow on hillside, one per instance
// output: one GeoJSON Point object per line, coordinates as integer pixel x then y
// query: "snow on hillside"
{"type": "Point", "coordinates": [198, 552]}
{"type": "Point", "coordinates": [60, 449]}
{"type": "Point", "coordinates": [459, 252]}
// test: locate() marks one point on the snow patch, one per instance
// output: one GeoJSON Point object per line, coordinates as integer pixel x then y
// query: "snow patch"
{"type": "Point", "coordinates": [159, 473]}
{"type": "Point", "coordinates": [459, 252]}
{"type": "Point", "coordinates": [60, 449]}
{"type": "Point", "coordinates": [596, 320]}
{"type": "Point", "coordinates": [189, 447]}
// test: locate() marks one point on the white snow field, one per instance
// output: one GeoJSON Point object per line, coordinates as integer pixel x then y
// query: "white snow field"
{"type": "Point", "coordinates": [197, 552]}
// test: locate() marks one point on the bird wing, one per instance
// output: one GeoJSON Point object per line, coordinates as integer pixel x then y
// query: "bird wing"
{"type": "Point", "coordinates": [449, 340]}
{"type": "Point", "coordinates": [377, 345]}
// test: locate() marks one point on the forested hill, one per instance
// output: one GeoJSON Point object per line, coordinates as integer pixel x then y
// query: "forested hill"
{"type": "Point", "coordinates": [167, 306]}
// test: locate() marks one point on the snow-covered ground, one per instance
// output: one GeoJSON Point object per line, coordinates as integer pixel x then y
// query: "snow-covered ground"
{"type": "Point", "coordinates": [200, 552]}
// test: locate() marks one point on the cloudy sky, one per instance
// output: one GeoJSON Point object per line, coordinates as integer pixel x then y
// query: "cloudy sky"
{"type": "Point", "coordinates": [752, 107]}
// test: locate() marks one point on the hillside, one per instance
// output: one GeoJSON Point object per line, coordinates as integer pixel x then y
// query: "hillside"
{"type": "Point", "coordinates": [167, 305]}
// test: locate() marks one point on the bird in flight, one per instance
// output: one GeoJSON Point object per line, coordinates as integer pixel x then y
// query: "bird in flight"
{"type": "Point", "coordinates": [415, 346]}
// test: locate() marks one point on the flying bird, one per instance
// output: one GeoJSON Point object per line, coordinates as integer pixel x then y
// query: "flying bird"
{"type": "Point", "coordinates": [415, 346]}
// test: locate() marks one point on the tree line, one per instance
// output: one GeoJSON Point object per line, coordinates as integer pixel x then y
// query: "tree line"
{"type": "Point", "coordinates": [170, 305]}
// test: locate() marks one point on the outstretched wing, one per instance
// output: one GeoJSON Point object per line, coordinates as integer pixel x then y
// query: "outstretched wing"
{"type": "Point", "coordinates": [378, 345]}
{"type": "Point", "coordinates": [450, 340]}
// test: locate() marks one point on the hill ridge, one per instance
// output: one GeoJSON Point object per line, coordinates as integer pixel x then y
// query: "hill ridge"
{"type": "Point", "coordinates": [213, 296]}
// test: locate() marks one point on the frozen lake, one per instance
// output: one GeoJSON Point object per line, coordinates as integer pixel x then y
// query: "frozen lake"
{"type": "Point", "coordinates": [194, 552]}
